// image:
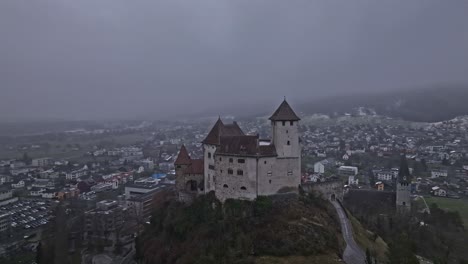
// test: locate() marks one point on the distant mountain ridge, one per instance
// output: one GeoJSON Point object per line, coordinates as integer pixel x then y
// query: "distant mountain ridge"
{"type": "Point", "coordinates": [422, 105]}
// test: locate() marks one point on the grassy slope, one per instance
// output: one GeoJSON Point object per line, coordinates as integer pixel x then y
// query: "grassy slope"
{"type": "Point", "coordinates": [452, 205]}
{"type": "Point", "coordinates": [365, 239]}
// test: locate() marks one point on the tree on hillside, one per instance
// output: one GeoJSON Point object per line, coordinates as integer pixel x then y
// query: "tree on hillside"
{"type": "Point", "coordinates": [39, 253]}
{"type": "Point", "coordinates": [368, 257]}
{"type": "Point", "coordinates": [26, 158]}
{"type": "Point", "coordinates": [401, 251]}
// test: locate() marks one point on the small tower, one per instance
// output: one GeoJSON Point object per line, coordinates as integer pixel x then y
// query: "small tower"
{"type": "Point", "coordinates": [284, 123]}
{"type": "Point", "coordinates": [403, 190]}
{"type": "Point", "coordinates": [182, 162]}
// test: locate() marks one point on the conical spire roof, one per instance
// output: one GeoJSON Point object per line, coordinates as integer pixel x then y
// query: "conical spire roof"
{"type": "Point", "coordinates": [183, 158]}
{"type": "Point", "coordinates": [284, 113]}
{"type": "Point", "coordinates": [213, 137]}
{"type": "Point", "coordinates": [404, 172]}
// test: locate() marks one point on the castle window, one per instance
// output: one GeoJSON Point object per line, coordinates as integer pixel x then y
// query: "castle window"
{"type": "Point", "coordinates": [290, 173]}
{"type": "Point", "coordinates": [265, 162]}
{"type": "Point", "coordinates": [287, 131]}
{"type": "Point", "coordinates": [291, 122]}
{"type": "Point", "coordinates": [270, 181]}
{"type": "Point", "coordinates": [178, 166]}
{"type": "Point", "coordinates": [211, 167]}
{"type": "Point", "coordinates": [209, 155]}
{"type": "Point", "coordinates": [230, 160]}
{"type": "Point", "coordinates": [241, 160]}
{"type": "Point", "coordinates": [269, 173]}
{"type": "Point", "coordinates": [243, 188]}
{"type": "Point", "coordinates": [230, 171]}
{"type": "Point", "coordinates": [284, 123]}
{"type": "Point", "coordinates": [240, 172]}
{"type": "Point", "coordinates": [289, 143]}
{"type": "Point", "coordinates": [220, 159]}
{"type": "Point", "coordinates": [225, 186]}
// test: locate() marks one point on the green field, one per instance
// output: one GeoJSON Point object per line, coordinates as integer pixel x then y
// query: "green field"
{"type": "Point", "coordinates": [459, 205]}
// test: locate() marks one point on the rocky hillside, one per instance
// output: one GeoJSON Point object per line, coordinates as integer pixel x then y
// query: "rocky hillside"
{"type": "Point", "coordinates": [281, 229]}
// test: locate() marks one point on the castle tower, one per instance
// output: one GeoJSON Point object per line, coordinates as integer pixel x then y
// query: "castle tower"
{"type": "Point", "coordinates": [210, 144]}
{"type": "Point", "coordinates": [403, 191]}
{"type": "Point", "coordinates": [284, 123]}
{"type": "Point", "coordinates": [182, 162]}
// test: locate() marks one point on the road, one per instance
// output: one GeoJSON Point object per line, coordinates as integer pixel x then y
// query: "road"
{"type": "Point", "coordinates": [353, 254]}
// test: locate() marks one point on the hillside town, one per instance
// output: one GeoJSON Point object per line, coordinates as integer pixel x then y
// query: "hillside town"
{"type": "Point", "coordinates": [116, 184]}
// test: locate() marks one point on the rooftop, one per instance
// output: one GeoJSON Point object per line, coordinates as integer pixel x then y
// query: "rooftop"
{"type": "Point", "coordinates": [284, 113]}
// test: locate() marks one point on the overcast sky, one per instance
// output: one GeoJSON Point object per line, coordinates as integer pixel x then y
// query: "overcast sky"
{"type": "Point", "coordinates": [92, 59]}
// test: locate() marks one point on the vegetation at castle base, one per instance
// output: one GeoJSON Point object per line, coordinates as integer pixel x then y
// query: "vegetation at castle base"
{"type": "Point", "coordinates": [439, 236]}
{"type": "Point", "coordinates": [281, 227]}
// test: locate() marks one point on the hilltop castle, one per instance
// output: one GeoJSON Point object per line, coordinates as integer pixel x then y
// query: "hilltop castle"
{"type": "Point", "coordinates": [242, 166]}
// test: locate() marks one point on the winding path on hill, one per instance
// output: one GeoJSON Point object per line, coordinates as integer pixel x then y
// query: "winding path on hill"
{"type": "Point", "coordinates": [353, 254]}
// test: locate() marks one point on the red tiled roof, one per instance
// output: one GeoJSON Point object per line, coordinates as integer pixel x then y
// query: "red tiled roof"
{"type": "Point", "coordinates": [232, 130]}
{"type": "Point", "coordinates": [183, 158]}
{"type": "Point", "coordinates": [284, 113]}
{"type": "Point", "coordinates": [244, 145]}
{"type": "Point", "coordinates": [219, 130]}
{"type": "Point", "coordinates": [196, 167]}
{"type": "Point", "coordinates": [267, 150]}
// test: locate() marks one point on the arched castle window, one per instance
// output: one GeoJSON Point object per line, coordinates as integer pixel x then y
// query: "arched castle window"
{"type": "Point", "coordinates": [243, 188]}
{"type": "Point", "coordinates": [225, 186]}
{"type": "Point", "coordinates": [240, 172]}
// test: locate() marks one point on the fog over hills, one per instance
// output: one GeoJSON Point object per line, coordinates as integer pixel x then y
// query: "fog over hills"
{"type": "Point", "coordinates": [425, 104]}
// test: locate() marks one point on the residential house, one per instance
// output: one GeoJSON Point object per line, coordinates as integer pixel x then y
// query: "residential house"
{"type": "Point", "coordinates": [439, 173]}
{"type": "Point", "coordinates": [437, 191]}
{"type": "Point", "coordinates": [348, 170]}
{"type": "Point", "coordinates": [17, 184]}
{"type": "Point", "coordinates": [380, 186]}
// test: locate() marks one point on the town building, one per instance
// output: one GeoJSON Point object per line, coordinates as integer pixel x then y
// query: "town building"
{"type": "Point", "coordinates": [240, 166]}
{"type": "Point", "coordinates": [439, 173]}
{"type": "Point", "coordinates": [42, 162]}
{"type": "Point", "coordinates": [104, 224]}
{"type": "Point", "coordinates": [5, 221]}
{"type": "Point", "coordinates": [348, 170]}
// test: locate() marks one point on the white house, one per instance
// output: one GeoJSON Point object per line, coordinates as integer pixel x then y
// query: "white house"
{"type": "Point", "coordinates": [352, 180]}
{"type": "Point", "coordinates": [19, 184]}
{"type": "Point", "coordinates": [35, 191]}
{"type": "Point", "coordinates": [386, 175]}
{"type": "Point", "coordinates": [348, 170]}
{"type": "Point", "coordinates": [319, 167]}
{"type": "Point", "coordinates": [439, 173]}
{"type": "Point", "coordinates": [437, 191]}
